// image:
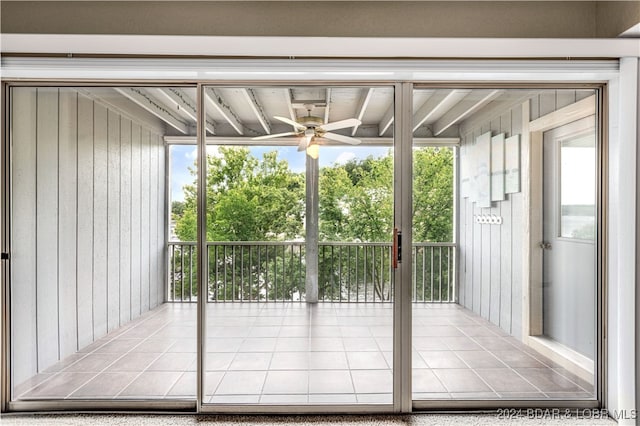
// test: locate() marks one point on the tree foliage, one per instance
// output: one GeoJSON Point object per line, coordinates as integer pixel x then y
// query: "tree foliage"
{"type": "Point", "coordinates": [247, 199]}
{"type": "Point", "coordinates": [251, 199]}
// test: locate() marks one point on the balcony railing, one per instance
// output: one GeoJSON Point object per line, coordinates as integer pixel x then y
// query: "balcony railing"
{"type": "Point", "coordinates": [275, 271]}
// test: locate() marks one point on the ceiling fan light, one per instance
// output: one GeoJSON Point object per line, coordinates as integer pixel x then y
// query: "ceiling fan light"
{"type": "Point", "coordinates": [313, 151]}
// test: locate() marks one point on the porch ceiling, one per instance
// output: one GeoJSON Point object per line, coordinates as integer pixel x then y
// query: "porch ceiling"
{"type": "Point", "coordinates": [243, 113]}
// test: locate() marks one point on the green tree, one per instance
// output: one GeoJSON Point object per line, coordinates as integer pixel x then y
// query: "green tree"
{"type": "Point", "coordinates": [177, 208]}
{"type": "Point", "coordinates": [251, 199]}
{"type": "Point", "coordinates": [248, 199]}
{"type": "Point", "coordinates": [433, 194]}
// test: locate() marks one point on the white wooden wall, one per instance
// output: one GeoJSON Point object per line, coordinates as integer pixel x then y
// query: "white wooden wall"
{"type": "Point", "coordinates": [87, 217]}
{"type": "Point", "coordinates": [490, 263]}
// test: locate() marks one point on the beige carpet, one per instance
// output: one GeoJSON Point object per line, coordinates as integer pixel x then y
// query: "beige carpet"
{"type": "Point", "coordinates": [369, 420]}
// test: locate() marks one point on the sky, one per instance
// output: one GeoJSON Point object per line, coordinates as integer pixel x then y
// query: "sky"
{"type": "Point", "coordinates": [183, 157]}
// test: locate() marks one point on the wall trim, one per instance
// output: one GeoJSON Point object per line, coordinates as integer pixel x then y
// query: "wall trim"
{"type": "Point", "coordinates": [330, 47]}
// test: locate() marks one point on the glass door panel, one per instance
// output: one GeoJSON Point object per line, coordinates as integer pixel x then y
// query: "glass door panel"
{"type": "Point", "coordinates": [93, 316]}
{"type": "Point", "coordinates": [469, 279]}
{"type": "Point", "coordinates": [299, 225]}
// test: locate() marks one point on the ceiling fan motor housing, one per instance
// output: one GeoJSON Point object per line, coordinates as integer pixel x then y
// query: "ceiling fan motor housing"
{"type": "Point", "coordinates": [310, 121]}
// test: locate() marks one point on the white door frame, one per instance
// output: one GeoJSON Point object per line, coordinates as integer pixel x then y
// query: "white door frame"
{"type": "Point", "coordinates": [620, 100]}
{"type": "Point", "coordinates": [532, 303]}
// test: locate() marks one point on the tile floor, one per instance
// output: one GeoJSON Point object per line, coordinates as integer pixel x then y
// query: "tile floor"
{"type": "Point", "coordinates": [277, 353]}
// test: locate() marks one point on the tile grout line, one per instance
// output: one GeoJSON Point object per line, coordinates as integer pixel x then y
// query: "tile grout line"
{"type": "Point", "coordinates": [85, 354]}
{"type": "Point", "coordinates": [508, 366]}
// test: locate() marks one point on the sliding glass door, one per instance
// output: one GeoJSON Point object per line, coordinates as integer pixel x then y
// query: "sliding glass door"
{"type": "Point", "coordinates": [303, 247]}
{"type": "Point", "coordinates": [485, 326]}
{"type": "Point", "coordinates": [92, 317]}
{"type": "Point", "coordinates": [298, 299]}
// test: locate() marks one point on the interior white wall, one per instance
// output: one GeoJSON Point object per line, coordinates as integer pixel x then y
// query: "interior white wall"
{"type": "Point", "coordinates": [88, 232]}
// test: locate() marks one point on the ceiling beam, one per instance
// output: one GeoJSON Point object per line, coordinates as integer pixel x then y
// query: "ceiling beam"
{"type": "Point", "coordinates": [289, 102]}
{"type": "Point", "coordinates": [214, 100]}
{"type": "Point", "coordinates": [186, 105]}
{"type": "Point", "coordinates": [290, 141]}
{"type": "Point", "coordinates": [326, 107]}
{"type": "Point", "coordinates": [362, 107]}
{"type": "Point", "coordinates": [465, 108]}
{"type": "Point", "coordinates": [258, 110]}
{"type": "Point", "coordinates": [386, 121]}
{"type": "Point", "coordinates": [436, 106]}
{"type": "Point", "coordinates": [496, 109]}
{"type": "Point", "coordinates": [142, 98]}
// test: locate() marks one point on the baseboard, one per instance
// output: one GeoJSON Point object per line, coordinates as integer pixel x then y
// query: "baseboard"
{"type": "Point", "coordinates": [564, 356]}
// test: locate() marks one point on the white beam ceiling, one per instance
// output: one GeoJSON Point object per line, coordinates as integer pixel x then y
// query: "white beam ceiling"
{"type": "Point", "coordinates": [362, 106]}
{"type": "Point", "coordinates": [215, 101]}
{"type": "Point", "coordinates": [185, 105]}
{"type": "Point", "coordinates": [437, 105]}
{"type": "Point", "coordinates": [327, 107]}
{"type": "Point", "coordinates": [257, 109]}
{"type": "Point", "coordinates": [289, 102]}
{"type": "Point", "coordinates": [159, 109]}
{"type": "Point", "coordinates": [386, 121]}
{"type": "Point", "coordinates": [466, 107]}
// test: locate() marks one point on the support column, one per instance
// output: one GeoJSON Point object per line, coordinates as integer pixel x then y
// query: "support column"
{"type": "Point", "coordinates": [311, 227]}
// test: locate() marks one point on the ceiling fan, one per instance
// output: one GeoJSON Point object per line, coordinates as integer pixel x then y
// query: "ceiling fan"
{"type": "Point", "coordinates": [311, 127]}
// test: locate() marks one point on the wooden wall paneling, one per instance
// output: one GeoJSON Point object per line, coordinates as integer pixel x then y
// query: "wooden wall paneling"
{"type": "Point", "coordinates": [564, 98]}
{"type": "Point", "coordinates": [125, 220]}
{"type": "Point", "coordinates": [485, 255]}
{"type": "Point", "coordinates": [113, 221]}
{"type": "Point", "coordinates": [162, 223]}
{"type": "Point", "coordinates": [47, 227]}
{"type": "Point", "coordinates": [547, 102]}
{"type": "Point", "coordinates": [506, 253]}
{"type": "Point", "coordinates": [516, 121]}
{"type": "Point", "coordinates": [534, 107]}
{"type": "Point", "coordinates": [469, 255]}
{"type": "Point", "coordinates": [136, 224]}
{"type": "Point", "coordinates": [468, 224]}
{"type": "Point", "coordinates": [476, 248]}
{"type": "Point", "coordinates": [485, 274]}
{"type": "Point", "coordinates": [67, 223]}
{"type": "Point", "coordinates": [23, 236]}
{"type": "Point", "coordinates": [144, 234]}
{"type": "Point", "coordinates": [517, 226]}
{"type": "Point", "coordinates": [517, 242]}
{"type": "Point", "coordinates": [581, 94]}
{"type": "Point", "coordinates": [461, 220]}
{"type": "Point", "coordinates": [153, 222]}
{"type": "Point", "coordinates": [494, 251]}
{"type": "Point", "coordinates": [100, 161]}
{"type": "Point", "coordinates": [85, 221]}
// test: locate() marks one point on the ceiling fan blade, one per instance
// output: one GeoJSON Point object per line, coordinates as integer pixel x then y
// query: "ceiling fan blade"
{"type": "Point", "coordinates": [276, 135]}
{"type": "Point", "coordinates": [289, 121]}
{"type": "Point", "coordinates": [302, 145]}
{"type": "Point", "coordinates": [342, 124]}
{"type": "Point", "coordinates": [341, 138]}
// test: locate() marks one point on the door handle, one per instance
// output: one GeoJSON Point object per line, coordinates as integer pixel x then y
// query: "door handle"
{"type": "Point", "coordinates": [397, 248]}
{"type": "Point", "coordinates": [544, 245]}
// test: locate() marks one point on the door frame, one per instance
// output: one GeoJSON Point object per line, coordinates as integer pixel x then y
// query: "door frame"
{"type": "Point", "coordinates": [402, 149]}
{"type": "Point", "coordinates": [403, 383]}
{"type": "Point", "coordinates": [533, 178]}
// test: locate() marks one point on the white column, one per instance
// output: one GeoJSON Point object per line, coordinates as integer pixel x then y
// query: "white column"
{"type": "Point", "coordinates": [622, 256]}
{"type": "Point", "coordinates": [311, 226]}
